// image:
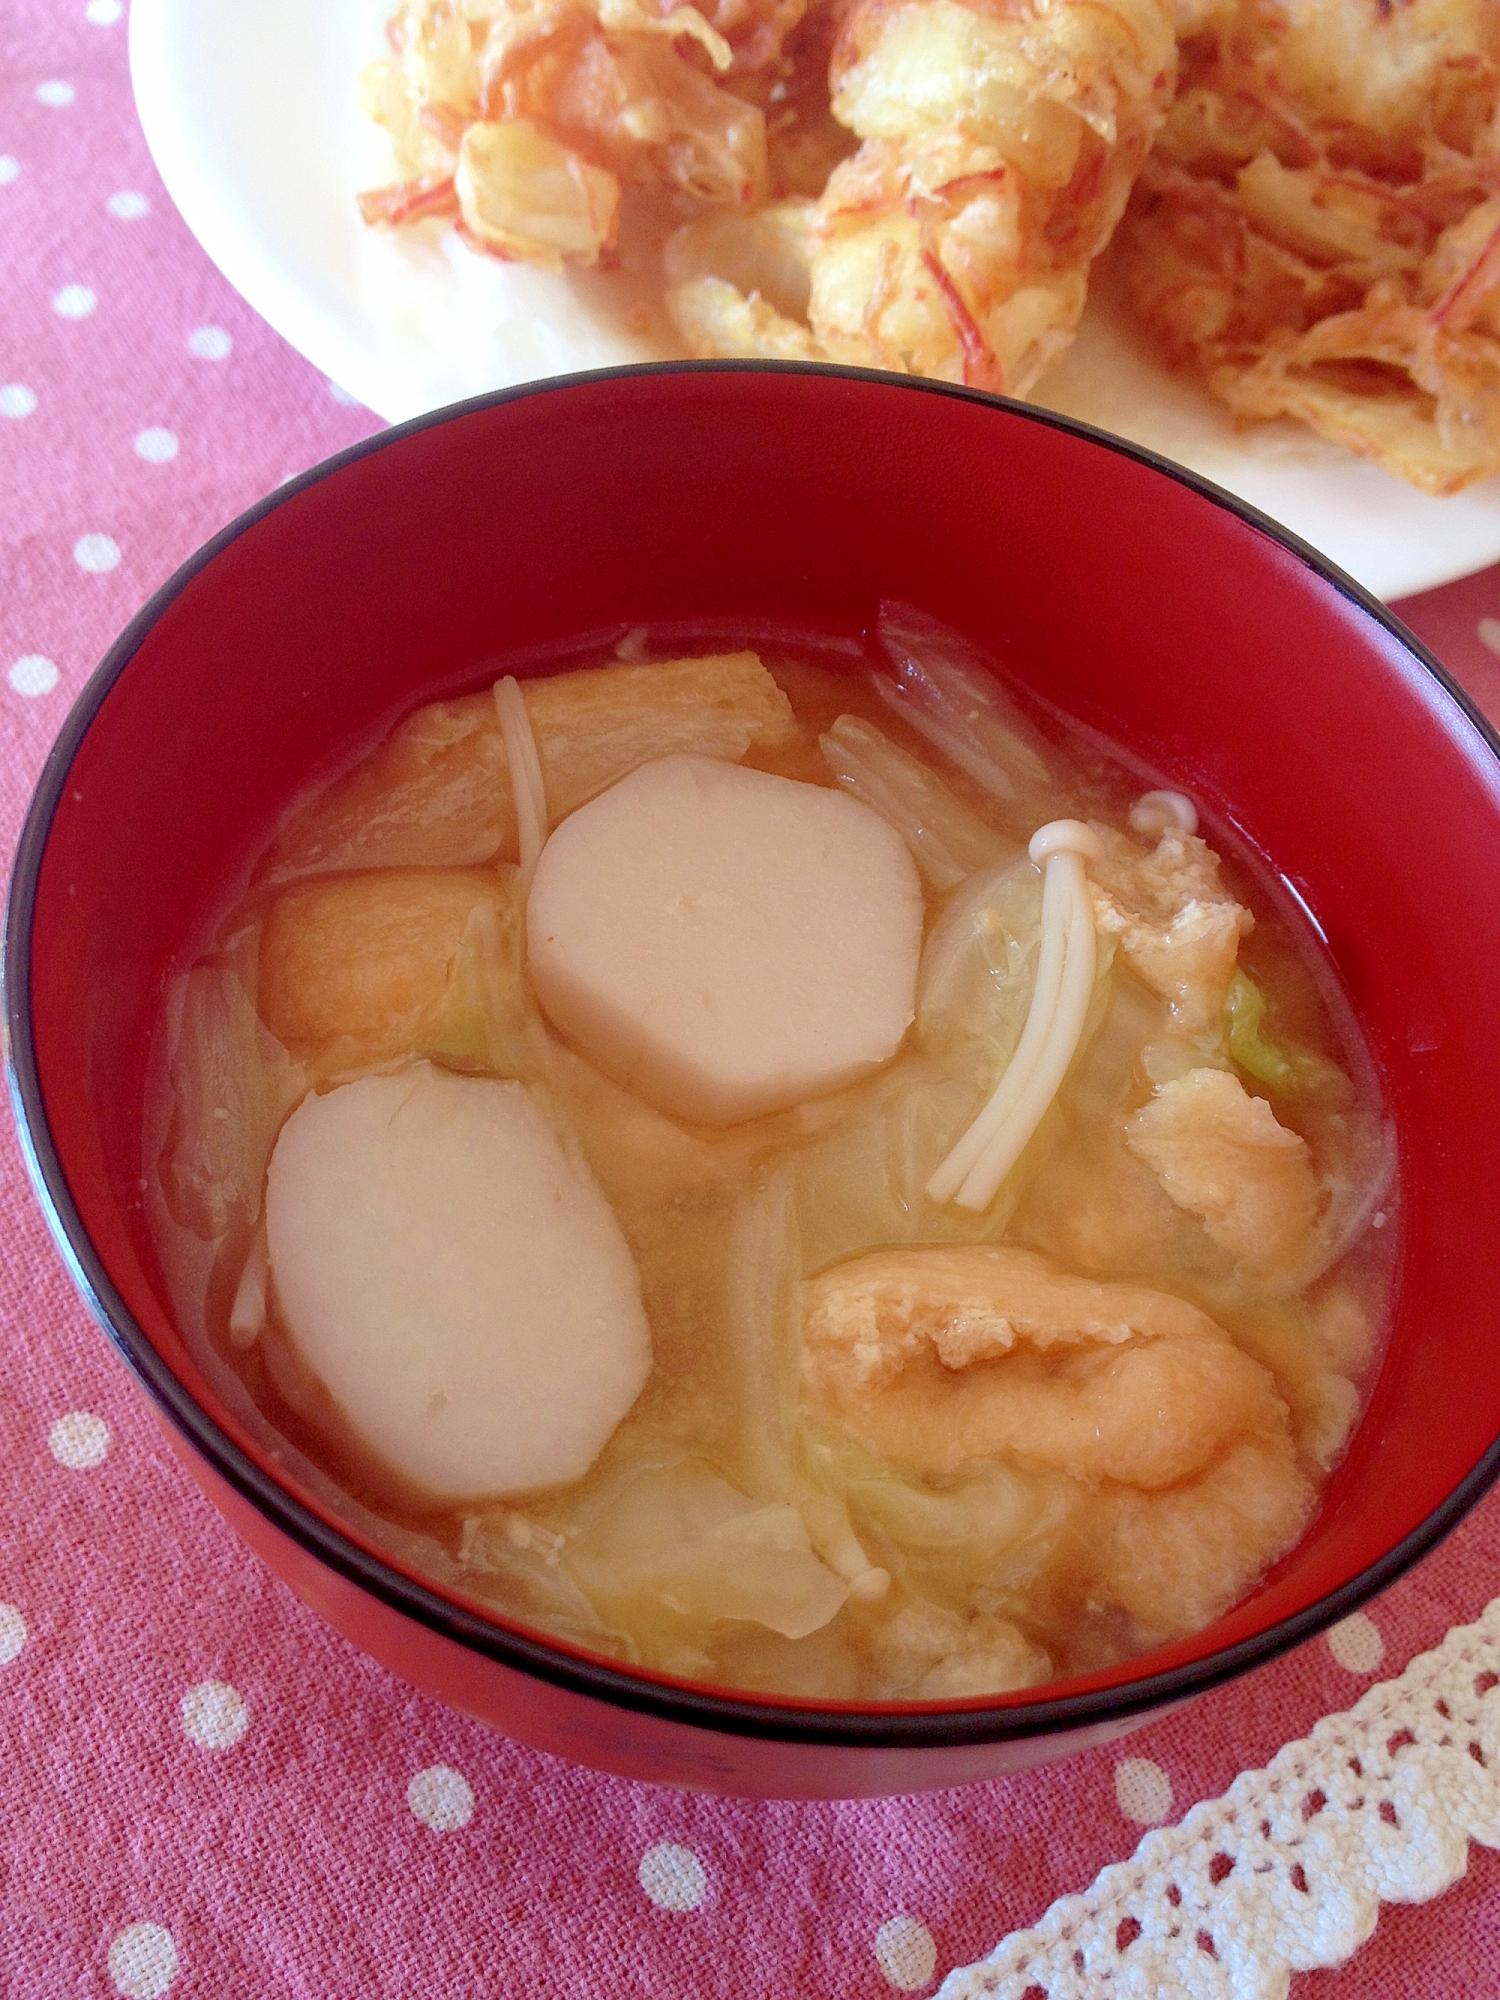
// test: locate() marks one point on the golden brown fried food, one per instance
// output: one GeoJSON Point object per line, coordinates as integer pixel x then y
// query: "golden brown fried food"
{"type": "Point", "coordinates": [1181, 1467]}
{"type": "Point", "coordinates": [526, 118]}
{"type": "Point", "coordinates": [942, 1358]}
{"type": "Point", "coordinates": [1221, 1154]}
{"type": "Point", "coordinates": [437, 794]}
{"type": "Point", "coordinates": [999, 144]}
{"type": "Point", "coordinates": [355, 969]}
{"type": "Point", "coordinates": [1318, 227]}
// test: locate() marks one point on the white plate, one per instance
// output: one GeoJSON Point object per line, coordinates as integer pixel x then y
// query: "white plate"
{"type": "Point", "coordinates": [249, 109]}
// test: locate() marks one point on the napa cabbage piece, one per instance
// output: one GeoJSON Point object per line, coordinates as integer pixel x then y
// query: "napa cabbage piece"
{"type": "Point", "coordinates": [487, 1019]}
{"type": "Point", "coordinates": [1360, 1183]}
{"type": "Point", "coordinates": [356, 971]}
{"type": "Point", "coordinates": [764, 1346]}
{"type": "Point", "coordinates": [937, 1537]}
{"type": "Point", "coordinates": [946, 689]}
{"type": "Point", "coordinates": [508, 1557]}
{"type": "Point", "coordinates": [231, 1084]}
{"type": "Point", "coordinates": [683, 1544]}
{"type": "Point", "coordinates": [762, 1314]}
{"type": "Point", "coordinates": [863, 1184]}
{"type": "Point", "coordinates": [979, 964]}
{"type": "Point", "coordinates": [1283, 1068]}
{"type": "Point", "coordinates": [947, 839]}
{"type": "Point", "coordinates": [964, 1555]}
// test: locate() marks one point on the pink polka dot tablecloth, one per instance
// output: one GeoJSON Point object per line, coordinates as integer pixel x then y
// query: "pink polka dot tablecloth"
{"type": "Point", "coordinates": [204, 1792]}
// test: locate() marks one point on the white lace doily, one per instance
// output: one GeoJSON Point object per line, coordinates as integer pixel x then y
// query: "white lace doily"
{"type": "Point", "coordinates": [1286, 1873]}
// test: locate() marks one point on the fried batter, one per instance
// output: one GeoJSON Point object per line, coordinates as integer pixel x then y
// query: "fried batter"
{"type": "Point", "coordinates": [1317, 230]}
{"type": "Point", "coordinates": [998, 150]}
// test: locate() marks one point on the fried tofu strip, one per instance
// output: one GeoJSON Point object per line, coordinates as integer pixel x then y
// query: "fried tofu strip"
{"type": "Point", "coordinates": [1176, 1561]}
{"type": "Point", "coordinates": [1178, 928]}
{"type": "Point", "coordinates": [355, 969]}
{"type": "Point", "coordinates": [941, 1358]}
{"type": "Point", "coordinates": [1222, 1155]}
{"type": "Point", "coordinates": [437, 793]}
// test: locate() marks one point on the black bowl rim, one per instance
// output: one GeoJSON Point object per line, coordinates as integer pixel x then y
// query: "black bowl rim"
{"type": "Point", "coordinates": [848, 1726]}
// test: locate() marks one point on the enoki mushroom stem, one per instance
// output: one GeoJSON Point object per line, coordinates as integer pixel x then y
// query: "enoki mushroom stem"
{"type": "Point", "coordinates": [525, 773]}
{"type": "Point", "coordinates": [984, 1155]}
{"type": "Point", "coordinates": [827, 1524]}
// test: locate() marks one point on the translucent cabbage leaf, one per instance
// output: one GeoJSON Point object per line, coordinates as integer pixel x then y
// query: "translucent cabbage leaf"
{"type": "Point", "coordinates": [1284, 1068]}
{"type": "Point", "coordinates": [231, 1084]}
{"type": "Point", "coordinates": [508, 1558]}
{"type": "Point", "coordinates": [1360, 1182]}
{"type": "Point", "coordinates": [946, 689]}
{"type": "Point", "coordinates": [990, 1531]}
{"type": "Point", "coordinates": [683, 1542]}
{"type": "Point", "coordinates": [979, 965]}
{"type": "Point", "coordinates": [762, 1322]}
{"type": "Point", "coordinates": [488, 1019]}
{"type": "Point", "coordinates": [862, 1186]}
{"type": "Point", "coordinates": [947, 839]}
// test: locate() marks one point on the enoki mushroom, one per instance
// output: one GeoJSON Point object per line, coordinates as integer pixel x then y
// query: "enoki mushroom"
{"type": "Point", "coordinates": [984, 1155]}
{"type": "Point", "coordinates": [525, 773]}
{"type": "Point", "coordinates": [1154, 812]}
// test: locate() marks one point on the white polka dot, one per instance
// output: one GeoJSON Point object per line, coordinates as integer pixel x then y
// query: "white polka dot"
{"type": "Point", "coordinates": [672, 1877]}
{"type": "Point", "coordinates": [214, 1715]}
{"type": "Point", "coordinates": [906, 1953]}
{"type": "Point", "coordinates": [79, 1441]}
{"type": "Point", "coordinates": [33, 673]}
{"type": "Point", "coordinates": [73, 302]}
{"type": "Point", "coordinates": [16, 400]}
{"type": "Point", "coordinates": [96, 553]}
{"type": "Point", "coordinates": [156, 446]}
{"type": "Point", "coordinates": [1356, 1644]}
{"type": "Point", "coordinates": [143, 1961]}
{"type": "Point", "coordinates": [12, 1633]}
{"type": "Point", "coordinates": [1489, 633]}
{"type": "Point", "coordinates": [1143, 1789]}
{"type": "Point", "coordinates": [126, 206]}
{"type": "Point", "coordinates": [104, 13]}
{"type": "Point", "coordinates": [55, 92]}
{"type": "Point", "coordinates": [210, 343]}
{"type": "Point", "coordinates": [440, 1797]}
{"type": "Point", "coordinates": [10, 168]}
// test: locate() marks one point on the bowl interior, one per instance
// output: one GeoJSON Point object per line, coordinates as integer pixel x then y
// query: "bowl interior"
{"type": "Point", "coordinates": [802, 498]}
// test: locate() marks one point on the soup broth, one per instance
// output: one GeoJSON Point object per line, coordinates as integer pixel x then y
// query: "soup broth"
{"type": "Point", "coordinates": [838, 1417]}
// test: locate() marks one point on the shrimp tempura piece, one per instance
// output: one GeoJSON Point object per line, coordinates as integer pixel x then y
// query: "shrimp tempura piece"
{"type": "Point", "coordinates": [999, 146]}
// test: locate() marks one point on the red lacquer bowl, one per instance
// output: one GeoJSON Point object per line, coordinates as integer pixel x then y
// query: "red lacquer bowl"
{"type": "Point", "coordinates": [1142, 601]}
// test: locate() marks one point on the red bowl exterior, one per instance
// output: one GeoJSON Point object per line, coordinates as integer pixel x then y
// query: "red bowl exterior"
{"type": "Point", "coordinates": [1141, 601]}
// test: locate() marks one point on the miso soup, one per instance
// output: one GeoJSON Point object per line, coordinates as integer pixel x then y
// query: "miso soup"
{"type": "Point", "coordinates": [794, 1166]}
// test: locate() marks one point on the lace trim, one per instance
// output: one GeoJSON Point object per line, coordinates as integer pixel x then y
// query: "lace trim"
{"type": "Point", "coordinates": [1287, 1871]}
